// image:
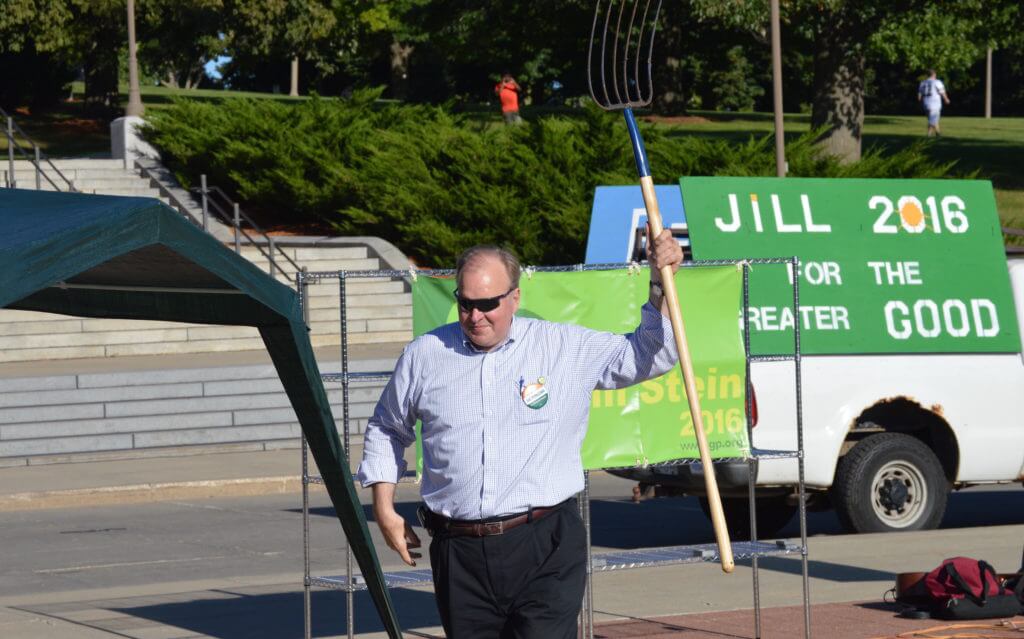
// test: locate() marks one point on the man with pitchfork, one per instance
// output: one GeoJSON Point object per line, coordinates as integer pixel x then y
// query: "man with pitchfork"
{"type": "Point", "coordinates": [503, 402]}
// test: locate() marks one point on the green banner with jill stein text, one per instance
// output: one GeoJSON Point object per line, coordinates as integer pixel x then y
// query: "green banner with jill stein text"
{"type": "Point", "coordinates": [650, 422]}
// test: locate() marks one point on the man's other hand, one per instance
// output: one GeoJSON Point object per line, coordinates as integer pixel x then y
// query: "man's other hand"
{"type": "Point", "coordinates": [399, 536]}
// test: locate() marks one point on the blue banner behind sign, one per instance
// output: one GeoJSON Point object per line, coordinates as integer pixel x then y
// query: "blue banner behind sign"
{"type": "Point", "coordinates": [618, 211]}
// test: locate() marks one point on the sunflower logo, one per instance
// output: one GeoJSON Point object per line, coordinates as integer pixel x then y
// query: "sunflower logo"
{"type": "Point", "coordinates": [911, 214]}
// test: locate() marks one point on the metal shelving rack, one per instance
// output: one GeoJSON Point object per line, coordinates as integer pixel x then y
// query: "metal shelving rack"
{"type": "Point", "coordinates": [622, 560]}
{"type": "Point", "coordinates": [796, 358]}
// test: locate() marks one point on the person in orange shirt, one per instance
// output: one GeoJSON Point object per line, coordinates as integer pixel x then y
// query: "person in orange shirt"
{"type": "Point", "coordinates": [508, 92]}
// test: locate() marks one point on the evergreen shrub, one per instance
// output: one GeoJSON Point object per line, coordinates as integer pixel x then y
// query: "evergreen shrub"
{"type": "Point", "coordinates": [434, 183]}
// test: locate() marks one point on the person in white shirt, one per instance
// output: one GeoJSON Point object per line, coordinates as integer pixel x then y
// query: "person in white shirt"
{"type": "Point", "coordinates": [931, 93]}
{"type": "Point", "coordinates": [504, 402]}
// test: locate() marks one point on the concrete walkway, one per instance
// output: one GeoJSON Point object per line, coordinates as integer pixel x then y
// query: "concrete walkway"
{"type": "Point", "coordinates": [124, 481]}
{"type": "Point", "coordinates": [849, 573]}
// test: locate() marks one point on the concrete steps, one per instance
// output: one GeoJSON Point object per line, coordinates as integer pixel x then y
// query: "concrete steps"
{"type": "Point", "coordinates": [132, 412]}
{"type": "Point", "coordinates": [98, 176]}
{"type": "Point", "coordinates": [378, 311]}
{"type": "Point", "coordinates": [384, 316]}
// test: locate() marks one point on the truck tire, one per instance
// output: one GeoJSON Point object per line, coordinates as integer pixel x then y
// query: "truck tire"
{"type": "Point", "coordinates": [773, 513]}
{"type": "Point", "coordinates": [890, 482]}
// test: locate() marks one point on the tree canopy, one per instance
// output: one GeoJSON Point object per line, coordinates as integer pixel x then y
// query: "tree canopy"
{"type": "Point", "coordinates": [841, 57]}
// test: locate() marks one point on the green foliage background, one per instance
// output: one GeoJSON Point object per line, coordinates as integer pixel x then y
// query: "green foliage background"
{"type": "Point", "coordinates": [433, 182]}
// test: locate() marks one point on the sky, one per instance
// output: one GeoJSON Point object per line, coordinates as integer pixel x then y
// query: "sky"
{"type": "Point", "coordinates": [213, 66]}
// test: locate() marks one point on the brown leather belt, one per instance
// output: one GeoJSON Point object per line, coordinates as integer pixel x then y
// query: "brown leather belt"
{"type": "Point", "coordinates": [458, 528]}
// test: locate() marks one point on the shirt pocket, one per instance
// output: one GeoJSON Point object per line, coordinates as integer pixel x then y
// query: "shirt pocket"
{"type": "Point", "coordinates": [532, 417]}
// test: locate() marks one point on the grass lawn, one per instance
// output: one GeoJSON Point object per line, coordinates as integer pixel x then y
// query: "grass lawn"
{"type": "Point", "coordinates": [993, 148]}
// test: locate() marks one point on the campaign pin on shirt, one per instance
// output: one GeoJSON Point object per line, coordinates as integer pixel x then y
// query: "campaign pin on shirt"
{"type": "Point", "coordinates": [535, 395]}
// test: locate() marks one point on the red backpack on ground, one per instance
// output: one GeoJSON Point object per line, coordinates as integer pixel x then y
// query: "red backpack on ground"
{"type": "Point", "coordinates": [963, 588]}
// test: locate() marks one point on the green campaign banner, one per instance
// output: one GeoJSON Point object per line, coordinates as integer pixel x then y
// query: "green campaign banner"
{"type": "Point", "coordinates": [886, 266]}
{"type": "Point", "coordinates": [649, 422]}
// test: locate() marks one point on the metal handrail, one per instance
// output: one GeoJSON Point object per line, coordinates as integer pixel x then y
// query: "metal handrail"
{"type": "Point", "coordinates": [12, 144]}
{"type": "Point", "coordinates": [183, 207]}
{"type": "Point", "coordinates": [234, 219]}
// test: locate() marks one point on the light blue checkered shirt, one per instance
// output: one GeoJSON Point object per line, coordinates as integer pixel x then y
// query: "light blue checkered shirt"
{"type": "Point", "coordinates": [486, 453]}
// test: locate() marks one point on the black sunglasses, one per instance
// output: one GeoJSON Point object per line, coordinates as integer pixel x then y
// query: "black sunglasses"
{"type": "Point", "coordinates": [484, 305]}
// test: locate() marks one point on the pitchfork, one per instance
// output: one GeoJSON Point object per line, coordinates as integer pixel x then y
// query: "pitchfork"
{"type": "Point", "coordinates": [622, 33]}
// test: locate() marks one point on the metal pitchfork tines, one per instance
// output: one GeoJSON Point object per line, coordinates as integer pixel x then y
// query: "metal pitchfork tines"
{"type": "Point", "coordinates": [622, 32]}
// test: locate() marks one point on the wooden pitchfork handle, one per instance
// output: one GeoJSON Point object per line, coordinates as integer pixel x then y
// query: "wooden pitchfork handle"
{"type": "Point", "coordinates": [685, 361]}
{"type": "Point", "coordinates": [668, 284]}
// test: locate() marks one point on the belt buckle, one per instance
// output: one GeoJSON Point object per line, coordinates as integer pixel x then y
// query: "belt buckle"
{"type": "Point", "coordinates": [491, 528]}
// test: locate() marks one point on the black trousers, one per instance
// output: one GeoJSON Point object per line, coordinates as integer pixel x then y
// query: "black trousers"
{"type": "Point", "coordinates": [525, 584]}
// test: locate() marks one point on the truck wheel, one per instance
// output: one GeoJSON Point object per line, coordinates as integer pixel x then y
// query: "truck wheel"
{"type": "Point", "coordinates": [890, 482]}
{"type": "Point", "coordinates": [773, 513]}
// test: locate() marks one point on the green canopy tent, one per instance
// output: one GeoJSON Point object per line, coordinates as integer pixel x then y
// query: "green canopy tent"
{"type": "Point", "coordinates": [136, 258]}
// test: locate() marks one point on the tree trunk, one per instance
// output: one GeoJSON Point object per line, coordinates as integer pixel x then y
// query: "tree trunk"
{"type": "Point", "coordinates": [400, 54]}
{"type": "Point", "coordinates": [194, 75]}
{"type": "Point", "coordinates": [101, 74]}
{"type": "Point", "coordinates": [674, 77]}
{"type": "Point", "coordinates": [838, 107]}
{"type": "Point", "coordinates": [171, 79]}
{"type": "Point", "coordinates": [988, 84]}
{"type": "Point", "coordinates": [294, 91]}
{"type": "Point", "coordinates": [671, 96]}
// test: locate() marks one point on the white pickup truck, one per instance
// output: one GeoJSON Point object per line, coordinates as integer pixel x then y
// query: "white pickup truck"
{"type": "Point", "coordinates": [887, 436]}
